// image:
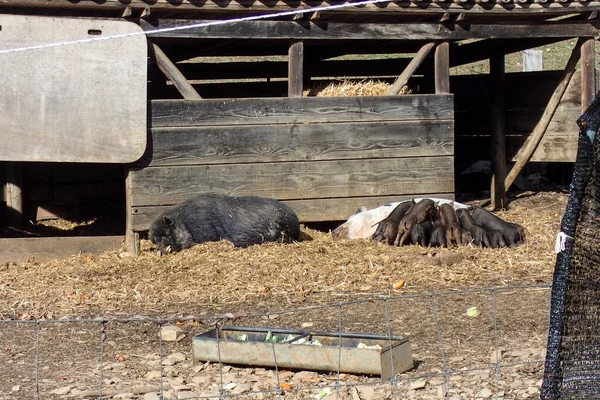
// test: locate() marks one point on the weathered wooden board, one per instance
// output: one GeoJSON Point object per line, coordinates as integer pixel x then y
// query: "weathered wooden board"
{"type": "Point", "coordinates": [49, 248]}
{"type": "Point", "coordinates": [365, 31]}
{"type": "Point", "coordinates": [313, 210]}
{"type": "Point", "coordinates": [271, 143]}
{"type": "Point", "coordinates": [177, 113]}
{"type": "Point", "coordinates": [295, 180]}
{"type": "Point", "coordinates": [83, 102]}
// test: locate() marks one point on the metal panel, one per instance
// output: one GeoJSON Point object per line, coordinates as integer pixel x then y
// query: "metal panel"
{"type": "Point", "coordinates": [82, 102]}
{"type": "Point", "coordinates": [328, 356]}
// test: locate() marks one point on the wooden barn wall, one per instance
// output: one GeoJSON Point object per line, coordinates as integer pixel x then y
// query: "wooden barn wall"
{"type": "Point", "coordinates": [526, 96]}
{"type": "Point", "coordinates": [74, 191]}
{"type": "Point", "coordinates": [324, 156]}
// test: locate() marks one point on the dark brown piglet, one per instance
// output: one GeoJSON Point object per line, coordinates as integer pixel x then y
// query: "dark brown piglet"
{"type": "Point", "coordinates": [438, 235]}
{"type": "Point", "coordinates": [421, 233]}
{"type": "Point", "coordinates": [451, 224]}
{"type": "Point", "coordinates": [388, 228]}
{"type": "Point", "coordinates": [466, 236]}
{"type": "Point", "coordinates": [521, 231]}
{"type": "Point", "coordinates": [419, 212]}
{"type": "Point", "coordinates": [496, 239]}
{"type": "Point", "coordinates": [490, 222]}
{"type": "Point", "coordinates": [480, 237]}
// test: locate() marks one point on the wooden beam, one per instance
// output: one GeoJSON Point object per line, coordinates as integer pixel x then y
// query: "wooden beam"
{"type": "Point", "coordinates": [296, 69]}
{"type": "Point", "coordinates": [498, 139]}
{"type": "Point", "coordinates": [269, 6]}
{"type": "Point", "coordinates": [49, 248]}
{"type": "Point", "coordinates": [173, 74]}
{"type": "Point", "coordinates": [14, 193]}
{"type": "Point", "coordinates": [410, 69]}
{"type": "Point", "coordinates": [588, 73]}
{"type": "Point", "coordinates": [132, 238]}
{"type": "Point", "coordinates": [442, 68]}
{"type": "Point", "coordinates": [286, 30]}
{"type": "Point", "coordinates": [529, 147]}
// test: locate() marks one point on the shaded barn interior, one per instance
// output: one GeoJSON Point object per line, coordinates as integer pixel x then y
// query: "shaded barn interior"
{"type": "Point", "coordinates": [198, 77]}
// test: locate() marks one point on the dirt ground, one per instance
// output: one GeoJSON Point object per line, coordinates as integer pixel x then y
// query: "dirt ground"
{"type": "Point", "coordinates": [454, 354]}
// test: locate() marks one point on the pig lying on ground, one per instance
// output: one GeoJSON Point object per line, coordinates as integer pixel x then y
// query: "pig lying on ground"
{"type": "Point", "coordinates": [244, 221]}
{"type": "Point", "coordinates": [514, 234]}
{"type": "Point", "coordinates": [363, 224]}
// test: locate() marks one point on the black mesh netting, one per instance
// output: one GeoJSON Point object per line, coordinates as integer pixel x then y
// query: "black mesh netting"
{"type": "Point", "coordinates": [572, 368]}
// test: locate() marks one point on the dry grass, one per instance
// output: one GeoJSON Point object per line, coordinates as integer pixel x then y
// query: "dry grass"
{"type": "Point", "coordinates": [318, 271]}
{"type": "Point", "coordinates": [351, 88]}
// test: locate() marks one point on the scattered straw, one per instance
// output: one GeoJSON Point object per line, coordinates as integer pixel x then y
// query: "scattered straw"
{"type": "Point", "coordinates": [321, 270]}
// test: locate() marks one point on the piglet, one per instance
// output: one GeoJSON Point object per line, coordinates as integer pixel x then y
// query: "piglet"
{"type": "Point", "coordinates": [451, 224]}
{"type": "Point", "coordinates": [388, 228]}
{"type": "Point", "coordinates": [419, 212]}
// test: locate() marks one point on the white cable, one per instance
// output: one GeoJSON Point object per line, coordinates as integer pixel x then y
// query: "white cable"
{"type": "Point", "coordinates": [197, 25]}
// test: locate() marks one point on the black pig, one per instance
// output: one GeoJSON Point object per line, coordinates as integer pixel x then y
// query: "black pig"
{"type": "Point", "coordinates": [480, 237]}
{"type": "Point", "coordinates": [244, 221]}
{"type": "Point", "coordinates": [512, 235]}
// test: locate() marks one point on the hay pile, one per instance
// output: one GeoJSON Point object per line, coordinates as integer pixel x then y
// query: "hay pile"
{"type": "Point", "coordinates": [315, 271]}
{"type": "Point", "coordinates": [349, 88]}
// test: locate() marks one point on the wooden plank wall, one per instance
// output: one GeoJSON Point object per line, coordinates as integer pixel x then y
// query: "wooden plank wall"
{"type": "Point", "coordinates": [526, 95]}
{"type": "Point", "coordinates": [325, 157]}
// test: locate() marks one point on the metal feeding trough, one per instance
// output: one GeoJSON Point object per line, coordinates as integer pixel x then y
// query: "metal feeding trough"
{"type": "Point", "coordinates": [321, 351]}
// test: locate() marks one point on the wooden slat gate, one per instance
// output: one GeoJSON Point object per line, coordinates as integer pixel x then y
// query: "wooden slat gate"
{"type": "Point", "coordinates": [323, 156]}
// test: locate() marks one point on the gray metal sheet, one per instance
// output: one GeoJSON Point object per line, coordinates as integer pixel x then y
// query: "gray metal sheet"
{"type": "Point", "coordinates": [83, 102]}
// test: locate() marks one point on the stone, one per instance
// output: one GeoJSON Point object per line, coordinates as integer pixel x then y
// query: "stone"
{"type": "Point", "coordinates": [124, 396]}
{"type": "Point", "coordinates": [178, 357]}
{"type": "Point", "coordinates": [484, 393]}
{"type": "Point", "coordinates": [15, 388]}
{"type": "Point", "coordinates": [418, 384]}
{"type": "Point", "coordinates": [170, 333]}
{"type": "Point", "coordinates": [151, 396]}
{"type": "Point", "coordinates": [283, 375]}
{"type": "Point", "coordinates": [201, 380]}
{"type": "Point", "coordinates": [241, 388]}
{"type": "Point", "coordinates": [62, 390]}
{"type": "Point", "coordinates": [366, 392]}
{"type": "Point", "coordinates": [151, 375]}
{"type": "Point", "coordinates": [304, 376]}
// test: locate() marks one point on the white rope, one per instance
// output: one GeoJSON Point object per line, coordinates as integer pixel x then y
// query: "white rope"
{"type": "Point", "coordinates": [559, 244]}
{"type": "Point", "coordinates": [197, 25]}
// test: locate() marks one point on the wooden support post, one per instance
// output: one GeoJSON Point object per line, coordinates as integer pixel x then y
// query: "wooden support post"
{"type": "Point", "coordinates": [588, 73]}
{"type": "Point", "coordinates": [498, 139]}
{"type": "Point", "coordinates": [170, 70]}
{"type": "Point", "coordinates": [442, 68]}
{"type": "Point", "coordinates": [295, 68]}
{"type": "Point", "coordinates": [526, 151]}
{"type": "Point", "coordinates": [132, 238]}
{"type": "Point", "coordinates": [410, 69]}
{"type": "Point", "coordinates": [14, 193]}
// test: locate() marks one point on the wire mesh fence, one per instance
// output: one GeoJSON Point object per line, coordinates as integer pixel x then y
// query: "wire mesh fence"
{"type": "Point", "coordinates": [476, 343]}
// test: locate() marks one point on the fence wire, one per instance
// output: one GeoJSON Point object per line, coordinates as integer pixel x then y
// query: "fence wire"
{"type": "Point", "coordinates": [337, 385]}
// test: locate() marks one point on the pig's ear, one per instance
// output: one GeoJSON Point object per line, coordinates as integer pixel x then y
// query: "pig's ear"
{"type": "Point", "coordinates": [168, 221]}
